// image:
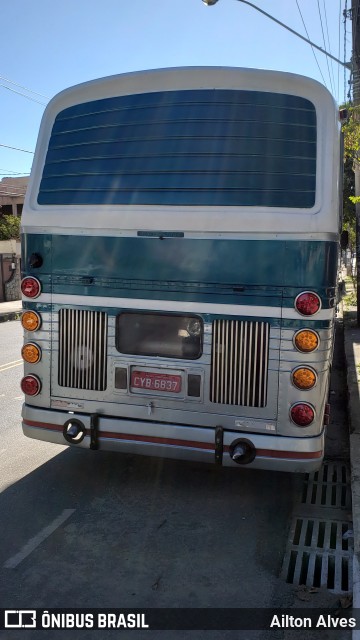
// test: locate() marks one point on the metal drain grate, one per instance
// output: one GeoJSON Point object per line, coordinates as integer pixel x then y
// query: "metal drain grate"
{"type": "Point", "coordinates": [320, 555]}
{"type": "Point", "coordinates": [320, 546]}
{"type": "Point", "coordinates": [328, 487]}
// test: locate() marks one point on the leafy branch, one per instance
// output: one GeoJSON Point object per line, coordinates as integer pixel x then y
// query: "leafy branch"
{"type": "Point", "coordinates": [9, 228]}
{"type": "Point", "coordinates": [351, 131]}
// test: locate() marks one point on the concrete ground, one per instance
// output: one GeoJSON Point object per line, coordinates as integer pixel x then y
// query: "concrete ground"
{"type": "Point", "coordinates": [10, 310]}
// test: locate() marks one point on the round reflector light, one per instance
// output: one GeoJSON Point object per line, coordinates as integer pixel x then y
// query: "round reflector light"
{"type": "Point", "coordinates": [304, 378]}
{"type": "Point", "coordinates": [30, 320]}
{"type": "Point", "coordinates": [30, 385]}
{"type": "Point", "coordinates": [31, 353]}
{"type": "Point", "coordinates": [302, 414]}
{"type": "Point", "coordinates": [30, 287]}
{"type": "Point", "coordinates": [306, 340]}
{"type": "Point", "coordinates": [307, 303]}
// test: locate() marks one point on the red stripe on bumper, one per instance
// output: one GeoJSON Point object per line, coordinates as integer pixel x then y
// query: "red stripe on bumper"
{"type": "Point", "coordinates": [263, 453]}
{"type": "Point", "coordinates": [44, 425]}
{"type": "Point", "coordinates": [290, 455]}
{"type": "Point", "coordinates": [157, 440]}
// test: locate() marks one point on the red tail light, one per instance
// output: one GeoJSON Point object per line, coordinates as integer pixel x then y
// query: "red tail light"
{"type": "Point", "coordinates": [30, 385]}
{"type": "Point", "coordinates": [302, 414]}
{"type": "Point", "coordinates": [30, 287]}
{"type": "Point", "coordinates": [308, 303]}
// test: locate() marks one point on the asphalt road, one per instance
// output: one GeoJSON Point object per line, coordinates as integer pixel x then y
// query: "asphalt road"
{"type": "Point", "coordinates": [96, 529]}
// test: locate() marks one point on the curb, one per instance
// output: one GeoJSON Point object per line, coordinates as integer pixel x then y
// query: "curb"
{"type": "Point", "coordinates": [351, 338]}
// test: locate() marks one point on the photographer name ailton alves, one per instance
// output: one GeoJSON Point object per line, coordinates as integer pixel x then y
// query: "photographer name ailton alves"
{"type": "Point", "coordinates": [324, 621]}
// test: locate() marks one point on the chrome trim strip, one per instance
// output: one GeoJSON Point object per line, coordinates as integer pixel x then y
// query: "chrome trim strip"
{"type": "Point", "coordinates": [182, 307]}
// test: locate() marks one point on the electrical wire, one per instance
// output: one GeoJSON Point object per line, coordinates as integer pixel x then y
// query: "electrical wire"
{"type": "Point", "coordinates": [328, 41]}
{"type": "Point", "coordinates": [345, 18]}
{"type": "Point", "coordinates": [25, 88]}
{"type": "Point", "coordinates": [323, 35]}
{"type": "Point", "coordinates": [10, 171]}
{"type": "Point", "coordinates": [16, 148]}
{"type": "Point", "coordinates": [22, 94]}
{"type": "Point", "coordinates": [313, 50]}
{"type": "Point", "coordinates": [339, 46]}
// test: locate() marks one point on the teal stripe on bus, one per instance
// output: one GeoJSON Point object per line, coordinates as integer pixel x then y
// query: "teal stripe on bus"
{"type": "Point", "coordinates": [215, 269]}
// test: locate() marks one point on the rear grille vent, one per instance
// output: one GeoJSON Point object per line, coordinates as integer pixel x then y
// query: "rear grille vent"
{"type": "Point", "coordinates": [82, 349]}
{"type": "Point", "coordinates": [239, 366]}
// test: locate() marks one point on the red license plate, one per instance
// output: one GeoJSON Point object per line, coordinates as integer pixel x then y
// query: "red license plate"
{"type": "Point", "coordinates": [149, 381]}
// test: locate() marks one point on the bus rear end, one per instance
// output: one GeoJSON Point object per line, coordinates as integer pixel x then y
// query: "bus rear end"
{"type": "Point", "coordinates": [179, 252]}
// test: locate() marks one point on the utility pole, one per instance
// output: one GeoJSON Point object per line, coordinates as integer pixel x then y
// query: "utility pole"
{"type": "Point", "coordinates": [355, 14]}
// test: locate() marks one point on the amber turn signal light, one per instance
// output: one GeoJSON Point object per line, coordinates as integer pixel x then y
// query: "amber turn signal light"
{"type": "Point", "coordinates": [304, 378]}
{"type": "Point", "coordinates": [30, 320]}
{"type": "Point", "coordinates": [306, 340]}
{"type": "Point", "coordinates": [31, 353]}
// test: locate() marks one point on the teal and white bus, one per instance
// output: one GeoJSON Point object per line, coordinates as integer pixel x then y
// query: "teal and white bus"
{"type": "Point", "coordinates": [180, 239]}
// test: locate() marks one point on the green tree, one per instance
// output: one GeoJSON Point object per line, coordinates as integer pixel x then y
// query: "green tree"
{"type": "Point", "coordinates": [351, 132]}
{"type": "Point", "coordinates": [349, 202]}
{"type": "Point", "coordinates": [9, 228]}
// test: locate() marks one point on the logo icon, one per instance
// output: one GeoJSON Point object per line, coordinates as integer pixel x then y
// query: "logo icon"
{"type": "Point", "coordinates": [20, 619]}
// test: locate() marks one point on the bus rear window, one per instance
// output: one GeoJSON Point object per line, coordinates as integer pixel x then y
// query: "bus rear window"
{"type": "Point", "coordinates": [157, 334]}
{"type": "Point", "coordinates": [217, 147]}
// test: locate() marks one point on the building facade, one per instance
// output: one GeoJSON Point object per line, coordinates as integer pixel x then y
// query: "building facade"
{"type": "Point", "coordinates": [12, 194]}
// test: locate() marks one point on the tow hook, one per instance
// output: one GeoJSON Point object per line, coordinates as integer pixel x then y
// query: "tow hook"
{"type": "Point", "coordinates": [74, 431]}
{"type": "Point", "coordinates": [242, 451]}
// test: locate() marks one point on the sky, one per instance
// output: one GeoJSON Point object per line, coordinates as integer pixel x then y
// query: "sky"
{"type": "Point", "coordinates": [49, 46]}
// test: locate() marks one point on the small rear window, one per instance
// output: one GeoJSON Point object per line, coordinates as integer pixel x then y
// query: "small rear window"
{"type": "Point", "coordinates": [153, 334]}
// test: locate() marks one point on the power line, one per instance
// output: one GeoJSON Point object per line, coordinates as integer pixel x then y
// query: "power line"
{"type": "Point", "coordinates": [15, 148]}
{"type": "Point", "coordinates": [323, 35]}
{"type": "Point", "coordinates": [285, 26]}
{"type": "Point", "coordinates": [313, 50]}
{"type": "Point", "coordinates": [339, 44]}
{"type": "Point", "coordinates": [328, 41]}
{"type": "Point", "coordinates": [22, 94]}
{"type": "Point", "coordinates": [10, 171]}
{"type": "Point", "coordinates": [25, 88]}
